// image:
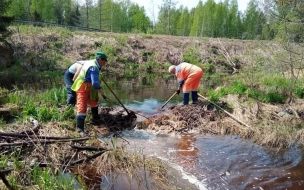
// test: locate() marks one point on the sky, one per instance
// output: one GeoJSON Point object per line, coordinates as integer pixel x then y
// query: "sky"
{"type": "Point", "coordinates": [148, 4]}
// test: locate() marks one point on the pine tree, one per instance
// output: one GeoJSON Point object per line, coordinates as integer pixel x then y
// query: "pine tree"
{"type": "Point", "coordinates": [18, 9]}
{"type": "Point", "coordinates": [251, 20]}
{"type": "Point", "coordinates": [182, 26]}
{"type": "Point", "coordinates": [4, 20]}
{"type": "Point", "coordinates": [197, 20]}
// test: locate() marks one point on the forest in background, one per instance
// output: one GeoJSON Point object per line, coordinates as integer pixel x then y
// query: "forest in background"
{"type": "Point", "coordinates": [262, 20]}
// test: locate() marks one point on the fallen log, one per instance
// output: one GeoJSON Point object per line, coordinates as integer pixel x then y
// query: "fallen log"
{"type": "Point", "coordinates": [31, 131]}
{"type": "Point", "coordinates": [3, 173]}
{"type": "Point", "coordinates": [6, 171]}
{"type": "Point", "coordinates": [89, 148]}
{"type": "Point", "coordinates": [41, 141]}
{"type": "Point", "coordinates": [2, 134]}
{"type": "Point", "coordinates": [229, 114]}
{"type": "Point", "coordinates": [88, 158]}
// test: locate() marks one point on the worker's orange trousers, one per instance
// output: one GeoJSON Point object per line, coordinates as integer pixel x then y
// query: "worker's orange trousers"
{"type": "Point", "coordinates": [193, 81]}
{"type": "Point", "coordinates": [83, 98]}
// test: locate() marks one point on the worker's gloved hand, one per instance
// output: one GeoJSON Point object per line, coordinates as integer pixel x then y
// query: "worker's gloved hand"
{"type": "Point", "coordinates": [177, 92]}
{"type": "Point", "coordinates": [105, 97]}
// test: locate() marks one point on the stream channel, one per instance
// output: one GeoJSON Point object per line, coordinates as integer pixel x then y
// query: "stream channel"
{"type": "Point", "coordinates": [202, 162]}
{"type": "Point", "coordinates": [207, 162]}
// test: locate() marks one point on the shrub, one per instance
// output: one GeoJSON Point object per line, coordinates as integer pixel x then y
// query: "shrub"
{"type": "Point", "coordinates": [238, 88]}
{"type": "Point", "coordinates": [299, 92]}
{"type": "Point", "coordinates": [192, 55]}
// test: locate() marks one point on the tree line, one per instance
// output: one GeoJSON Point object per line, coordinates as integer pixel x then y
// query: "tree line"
{"type": "Point", "coordinates": [264, 21]}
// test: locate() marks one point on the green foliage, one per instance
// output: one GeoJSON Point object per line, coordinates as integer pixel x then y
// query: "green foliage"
{"type": "Point", "coordinates": [30, 109]}
{"type": "Point", "coordinates": [2, 122]}
{"type": "Point", "coordinates": [53, 97]}
{"type": "Point", "coordinates": [58, 45]}
{"type": "Point", "coordinates": [121, 39]}
{"type": "Point", "coordinates": [110, 50]}
{"type": "Point", "coordinates": [235, 60]}
{"type": "Point", "coordinates": [68, 114]}
{"type": "Point", "coordinates": [90, 55]}
{"type": "Point", "coordinates": [3, 95]}
{"type": "Point", "coordinates": [165, 67]}
{"type": "Point", "coordinates": [131, 66]}
{"type": "Point", "coordinates": [44, 114]}
{"type": "Point", "coordinates": [46, 179]}
{"type": "Point", "coordinates": [272, 97]}
{"type": "Point", "coordinates": [277, 83]}
{"type": "Point", "coordinates": [19, 98]}
{"type": "Point", "coordinates": [42, 106]}
{"type": "Point", "coordinates": [214, 50]}
{"type": "Point", "coordinates": [114, 143]}
{"type": "Point", "coordinates": [150, 65]}
{"type": "Point", "coordinates": [3, 162]}
{"type": "Point", "coordinates": [209, 68]}
{"type": "Point", "coordinates": [146, 55]}
{"type": "Point", "coordinates": [238, 88]}
{"type": "Point", "coordinates": [213, 96]}
{"type": "Point", "coordinates": [148, 36]}
{"type": "Point", "coordinates": [207, 19]}
{"type": "Point", "coordinates": [252, 20]}
{"type": "Point", "coordinates": [192, 55]}
{"type": "Point", "coordinates": [17, 9]}
{"type": "Point", "coordinates": [299, 92]}
{"type": "Point", "coordinates": [243, 90]}
{"type": "Point", "coordinates": [5, 20]}
{"type": "Point", "coordinates": [97, 44]}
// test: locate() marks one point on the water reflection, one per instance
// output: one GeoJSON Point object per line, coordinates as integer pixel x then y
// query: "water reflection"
{"type": "Point", "coordinates": [224, 162]}
{"type": "Point", "coordinates": [233, 163]}
{"type": "Point", "coordinates": [186, 151]}
{"type": "Point", "coordinates": [148, 107]}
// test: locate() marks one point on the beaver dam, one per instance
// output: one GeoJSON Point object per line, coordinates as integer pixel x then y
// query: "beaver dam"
{"type": "Point", "coordinates": [91, 159]}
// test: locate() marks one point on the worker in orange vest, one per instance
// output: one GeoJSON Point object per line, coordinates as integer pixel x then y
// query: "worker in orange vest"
{"type": "Point", "coordinates": [87, 87]}
{"type": "Point", "coordinates": [188, 77]}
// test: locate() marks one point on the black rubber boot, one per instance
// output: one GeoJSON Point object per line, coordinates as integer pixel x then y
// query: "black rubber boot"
{"type": "Point", "coordinates": [186, 98]}
{"type": "Point", "coordinates": [95, 116]}
{"type": "Point", "coordinates": [194, 97]}
{"type": "Point", "coordinates": [80, 126]}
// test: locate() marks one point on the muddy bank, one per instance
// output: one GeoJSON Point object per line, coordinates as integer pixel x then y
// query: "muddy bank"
{"type": "Point", "coordinates": [56, 145]}
{"type": "Point", "coordinates": [249, 120]}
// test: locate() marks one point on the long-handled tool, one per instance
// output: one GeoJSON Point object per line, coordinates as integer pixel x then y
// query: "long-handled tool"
{"type": "Point", "coordinates": [117, 98]}
{"type": "Point", "coordinates": [168, 100]}
{"type": "Point", "coordinates": [233, 117]}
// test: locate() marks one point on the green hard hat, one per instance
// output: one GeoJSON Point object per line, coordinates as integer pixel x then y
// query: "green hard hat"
{"type": "Point", "coordinates": [101, 55]}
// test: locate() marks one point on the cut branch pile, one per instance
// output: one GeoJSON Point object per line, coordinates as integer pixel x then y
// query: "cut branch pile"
{"type": "Point", "coordinates": [60, 153]}
{"type": "Point", "coordinates": [180, 118]}
{"type": "Point", "coordinates": [116, 122]}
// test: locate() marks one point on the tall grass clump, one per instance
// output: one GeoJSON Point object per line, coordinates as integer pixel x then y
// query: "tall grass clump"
{"type": "Point", "coordinates": [192, 55]}
{"type": "Point", "coordinates": [53, 97]}
{"type": "Point", "coordinates": [42, 105]}
{"type": "Point", "coordinates": [299, 91]}
{"type": "Point", "coordinates": [239, 88]}
{"type": "Point", "coordinates": [46, 179]}
{"type": "Point", "coordinates": [122, 39]}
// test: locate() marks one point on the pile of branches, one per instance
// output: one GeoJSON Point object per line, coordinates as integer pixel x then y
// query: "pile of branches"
{"type": "Point", "coordinates": [60, 153]}
{"type": "Point", "coordinates": [180, 118]}
{"type": "Point", "coordinates": [116, 122]}
{"type": "Point", "coordinates": [194, 115]}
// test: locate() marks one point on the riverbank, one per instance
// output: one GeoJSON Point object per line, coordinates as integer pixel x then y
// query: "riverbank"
{"type": "Point", "coordinates": [248, 79]}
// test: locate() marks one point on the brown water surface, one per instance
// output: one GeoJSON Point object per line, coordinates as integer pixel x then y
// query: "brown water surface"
{"type": "Point", "coordinates": [224, 162]}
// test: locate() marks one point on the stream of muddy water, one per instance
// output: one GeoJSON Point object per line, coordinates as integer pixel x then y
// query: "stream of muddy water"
{"type": "Point", "coordinates": [218, 162]}
{"type": "Point", "coordinates": [210, 162]}
{"type": "Point", "coordinates": [206, 162]}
